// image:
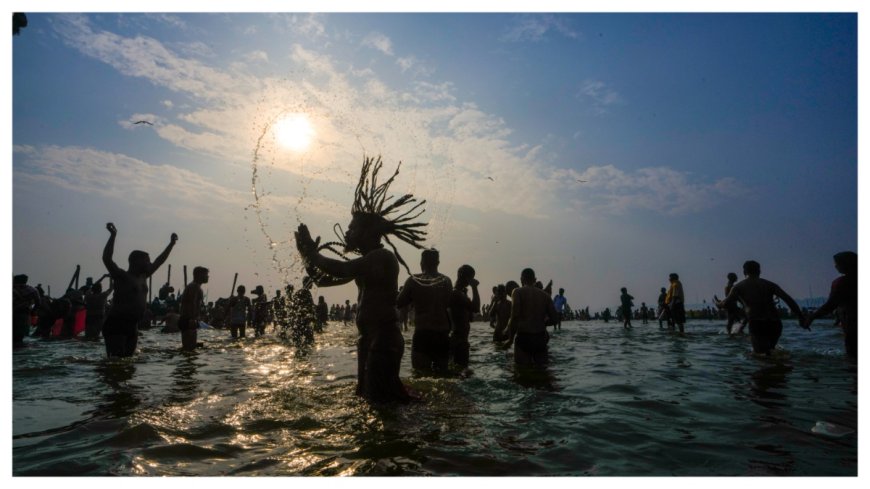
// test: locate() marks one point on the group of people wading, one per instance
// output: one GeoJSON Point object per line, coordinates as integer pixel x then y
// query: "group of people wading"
{"type": "Point", "coordinates": [443, 309]}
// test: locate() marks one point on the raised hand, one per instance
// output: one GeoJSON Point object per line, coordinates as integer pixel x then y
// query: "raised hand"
{"type": "Point", "coordinates": [173, 238]}
{"type": "Point", "coordinates": [304, 243]}
{"type": "Point", "coordinates": [111, 228]}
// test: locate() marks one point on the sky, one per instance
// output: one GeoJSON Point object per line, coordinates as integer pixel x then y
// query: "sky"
{"type": "Point", "coordinates": [601, 150]}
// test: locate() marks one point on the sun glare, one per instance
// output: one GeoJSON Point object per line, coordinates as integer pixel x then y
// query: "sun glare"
{"type": "Point", "coordinates": [294, 132]}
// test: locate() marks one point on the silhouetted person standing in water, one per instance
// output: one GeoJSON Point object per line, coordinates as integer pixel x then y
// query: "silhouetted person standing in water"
{"type": "Point", "coordinates": [559, 303]}
{"type": "Point", "coordinates": [191, 309]}
{"type": "Point", "coordinates": [24, 298]}
{"type": "Point", "coordinates": [733, 311]}
{"type": "Point", "coordinates": [121, 329]}
{"type": "Point", "coordinates": [240, 312]}
{"type": "Point", "coordinates": [663, 314]}
{"type": "Point", "coordinates": [757, 295]}
{"type": "Point", "coordinates": [429, 293]}
{"type": "Point", "coordinates": [531, 312]}
{"type": "Point", "coordinates": [626, 300]}
{"type": "Point", "coordinates": [95, 303]}
{"type": "Point", "coordinates": [462, 310]}
{"type": "Point", "coordinates": [376, 274]}
{"type": "Point", "coordinates": [675, 302]}
{"type": "Point", "coordinates": [501, 313]}
{"type": "Point", "coordinates": [843, 298]}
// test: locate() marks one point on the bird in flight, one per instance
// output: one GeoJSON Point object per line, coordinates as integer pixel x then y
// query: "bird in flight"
{"type": "Point", "coordinates": [582, 181]}
{"type": "Point", "coordinates": [490, 178]}
{"type": "Point", "coordinates": [143, 122]}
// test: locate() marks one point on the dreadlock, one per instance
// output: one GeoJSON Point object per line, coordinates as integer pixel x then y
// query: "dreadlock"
{"type": "Point", "coordinates": [386, 215]}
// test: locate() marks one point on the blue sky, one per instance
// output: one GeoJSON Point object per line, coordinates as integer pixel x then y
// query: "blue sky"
{"type": "Point", "coordinates": [621, 147]}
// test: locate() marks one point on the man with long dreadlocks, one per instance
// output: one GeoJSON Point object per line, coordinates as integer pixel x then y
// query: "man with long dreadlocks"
{"type": "Point", "coordinates": [376, 273]}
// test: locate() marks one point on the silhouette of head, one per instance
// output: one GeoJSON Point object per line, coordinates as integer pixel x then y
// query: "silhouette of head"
{"type": "Point", "coordinates": [429, 260]}
{"type": "Point", "coordinates": [751, 268]}
{"type": "Point", "coordinates": [623, 290]}
{"type": "Point", "coordinates": [673, 277]}
{"type": "Point", "coordinates": [664, 290]}
{"type": "Point", "coordinates": [510, 286]}
{"type": "Point", "coordinates": [501, 291]}
{"type": "Point", "coordinates": [561, 291]}
{"type": "Point", "coordinates": [240, 289]}
{"type": "Point", "coordinates": [732, 277]}
{"type": "Point", "coordinates": [97, 288]}
{"type": "Point", "coordinates": [464, 275]}
{"type": "Point", "coordinates": [200, 275]}
{"type": "Point", "coordinates": [846, 262]}
{"type": "Point", "coordinates": [139, 262]}
{"type": "Point", "coordinates": [19, 279]}
{"type": "Point", "coordinates": [527, 276]}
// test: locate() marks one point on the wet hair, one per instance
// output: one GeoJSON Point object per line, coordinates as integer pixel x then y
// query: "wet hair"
{"type": "Point", "coordinates": [372, 205]}
{"type": "Point", "coordinates": [847, 261]}
{"type": "Point", "coordinates": [19, 279]}
{"type": "Point", "coordinates": [752, 268]}
{"type": "Point", "coordinates": [732, 276]}
{"type": "Point", "coordinates": [527, 275]}
{"type": "Point", "coordinates": [430, 258]}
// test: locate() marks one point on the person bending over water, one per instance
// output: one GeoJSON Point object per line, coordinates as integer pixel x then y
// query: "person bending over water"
{"type": "Point", "coordinates": [531, 312]}
{"type": "Point", "coordinates": [191, 308]}
{"type": "Point", "coordinates": [429, 293]}
{"type": "Point", "coordinates": [843, 298]}
{"type": "Point", "coordinates": [757, 295]}
{"type": "Point", "coordinates": [376, 274]}
{"type": "Point", "coordinates": [462, 310]}
{"type": "Point", "coordinates": [121, 328]}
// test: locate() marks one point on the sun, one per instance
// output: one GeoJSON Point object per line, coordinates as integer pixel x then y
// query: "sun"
{"type": "Point", "coordinates": [294, 132]}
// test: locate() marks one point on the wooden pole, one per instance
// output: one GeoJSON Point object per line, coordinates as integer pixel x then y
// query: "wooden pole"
{"type": "Point", "coordinates": [169, 274]}
{"type": "Point", "coordinates": [233, 291]}
{"type": "Point", "coordinates": [185, 275]}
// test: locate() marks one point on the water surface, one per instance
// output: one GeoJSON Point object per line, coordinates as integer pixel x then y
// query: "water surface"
{"type": "Point", "coordinates": [613, 403]}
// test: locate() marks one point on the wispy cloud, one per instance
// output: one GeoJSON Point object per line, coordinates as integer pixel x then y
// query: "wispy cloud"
{"type": "Point", "coordinates": [117, 176]}
{"type": "Point", "coordinates": [310, 25]}
{"type": "Point", "coordinates": [182, 193]}
{"type": "Point", "coordinates": [380, 42]}
{"type": "Point", "coordinates": [168, 19]}
{"type": "Point", "coordinates": [661, 190]}
{"type": "Point", "coordinates": [414, 66]}
{"type": "Point", "coordinates": [449, 147]}
{"type": "Point", "coordinates": [536, 27]}
{"type": "Point", "coordinates": [599, 94]}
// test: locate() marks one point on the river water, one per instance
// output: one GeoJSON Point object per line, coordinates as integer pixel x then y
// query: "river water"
{"type": "Point", "coordinates": [612, 403]}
